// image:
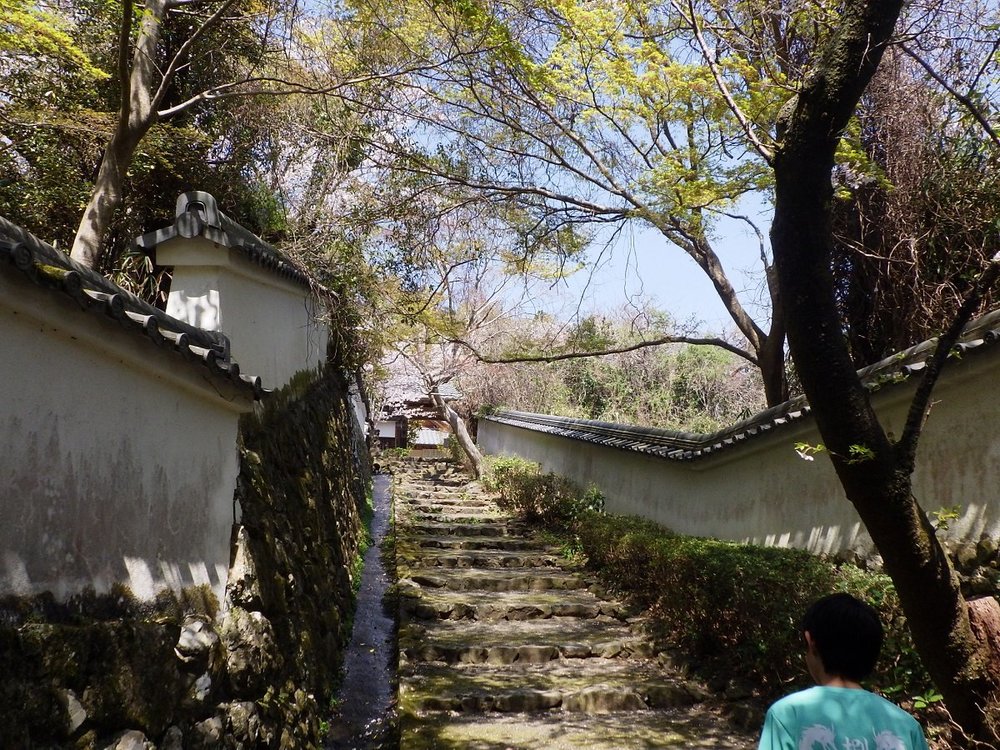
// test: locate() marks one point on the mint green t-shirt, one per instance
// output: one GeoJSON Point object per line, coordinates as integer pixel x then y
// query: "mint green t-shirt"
{"type": "Point", "coordinates": [835, 718]}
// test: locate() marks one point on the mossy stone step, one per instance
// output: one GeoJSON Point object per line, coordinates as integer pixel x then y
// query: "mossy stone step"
{"type": "Point", "coordinates": [422, 497]}
{"type": "Point", "coordinates": [411, 520]}
{"type": "Point", "coordinates": [505, 642]}
{"type": "Point", "coordinates": [445, 503]}
{"type": "Point", "coordinates": [458, 516]}
{"type": "Point", "coordinates": [595, 686]}
{"type": "Point", "coordinates": [430, 481]}
{"type": "Point", "coordinates": [508, 544]}
{"type": "Point", "coordinates": [474, 510]}
{"type": "Point", "coordinates": [488, 558]}
{"type": "Point", "coordinates": [668, 729]}
{"type": "Point", "coordinates": [493, 528]}
{"type": "Point", "coordinates": [428, 490]}
{"type": "Point", "coordinates": [461, 516]}
{"type": "Point", "coordinates": [431, 604]}
{"type": "Point", "coordinates": [530, 579]}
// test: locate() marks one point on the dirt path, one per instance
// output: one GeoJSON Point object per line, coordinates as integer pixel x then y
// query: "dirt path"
{"type": "Point", "coordinates": [503, 645]}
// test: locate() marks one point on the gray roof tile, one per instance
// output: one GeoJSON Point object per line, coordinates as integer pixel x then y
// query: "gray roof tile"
{"type": "Point", "coordinates": [979, 335]}
{"type": "Point", "coordinates": [55, 272]}
{"type": "Point", "coordinates": [197, 215]}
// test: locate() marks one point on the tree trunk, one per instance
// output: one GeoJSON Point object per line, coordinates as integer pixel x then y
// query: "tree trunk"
{"type": "Point", "coordinates": [879, 486]}
{"type": "Point", "coordinates": [105, 199]}
{"type": "Point", "coordinates": [770, 346]}
{"type": "Point", "coordinates": [771, 353]}
{"type": "Point", "coordinates": [461, 434]}
{"type": "Point", "coordinates": [136, 115]}
{"type": "Point", "coordinates": [771, 358]}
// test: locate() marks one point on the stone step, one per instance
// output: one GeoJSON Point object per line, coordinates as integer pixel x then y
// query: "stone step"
{"type": "Point", "coordinates": [459, 516]}
{"type": "Point", "coordinates": [528, 579]}
{"type": "Point", "coordinates": [502, 647]}
{"type": "Point", "coordinates": [667, 729]}
{"type": "Point", "coordinates": [593, 686]}
{"type": "Point", "coordinates": [507, 544]}
{"type": "Point", "coordinates": [504, 528]}
{"type": "Point", "coordinates": [445, 503]}
{"type": "Point", "coordinates": [430, 604]}
{"type": "Point", "coordinates": [505, 642]}
{"type": "Point", "coordinates": [427, 497]}
{"type": "Point", "coordinates": [419, 484]}
{"type": "Point", "coordinates": [429, 479]}
{"type": "Point", "coordinates": [424, 505]}
{"type": "Point", "coordinates": [489, 559]}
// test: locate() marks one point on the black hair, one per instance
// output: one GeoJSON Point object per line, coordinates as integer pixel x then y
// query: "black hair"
{"type": "Point", "coordinates": [847, 634]}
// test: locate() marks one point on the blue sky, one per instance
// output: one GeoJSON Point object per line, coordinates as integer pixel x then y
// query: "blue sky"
{"type": "Point", "coordinates": [642, 264]}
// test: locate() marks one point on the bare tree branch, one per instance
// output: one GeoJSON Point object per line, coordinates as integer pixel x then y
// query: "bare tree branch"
{"type": "Point", "coordinates": [721, 343]}
{"type": "Point", "coordinates": [286, 87]}
{"type": "Point", "coordinates": [765, 153]}
{"type": "Point", "coordinates": [906, 448]}
{"type": "Point", "coordinates": [965, 101]}
{"type": "Point", "coordinates": [168, 75]}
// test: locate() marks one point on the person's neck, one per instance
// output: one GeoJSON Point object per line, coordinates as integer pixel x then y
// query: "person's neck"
{"type": "Point", "coordinates": [840, 682]}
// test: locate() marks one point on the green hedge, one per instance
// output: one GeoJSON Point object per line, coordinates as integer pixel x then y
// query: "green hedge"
{"type": "Point", "coordinates": [546, 499]}
{"type": "Point", "coordinates": [732, 608]}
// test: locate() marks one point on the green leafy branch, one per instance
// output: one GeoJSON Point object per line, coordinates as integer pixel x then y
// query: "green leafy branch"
{"type": "Point", "coordinates": [856, 454]}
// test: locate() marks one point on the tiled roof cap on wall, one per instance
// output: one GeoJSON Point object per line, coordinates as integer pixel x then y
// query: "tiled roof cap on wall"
{"type": "Point", "coordinates": [49, 269]}
{"type": "Point", "coordinates": [685, 446]}
{"type": "Point", "coordinates": [198, 215]}
{"type": "Point", "coordinates": [416, 402]}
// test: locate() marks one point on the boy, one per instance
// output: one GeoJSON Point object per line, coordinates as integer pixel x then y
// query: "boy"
{"type": "Point", "coordinates": [843, 638]}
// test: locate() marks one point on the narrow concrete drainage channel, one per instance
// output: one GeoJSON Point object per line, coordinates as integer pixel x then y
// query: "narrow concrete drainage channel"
{"type": "Point", "coordinates": [365, 713]}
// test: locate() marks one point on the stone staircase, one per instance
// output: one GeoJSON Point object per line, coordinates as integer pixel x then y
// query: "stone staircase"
{"type": "Point", "coordinates": [503, 645]}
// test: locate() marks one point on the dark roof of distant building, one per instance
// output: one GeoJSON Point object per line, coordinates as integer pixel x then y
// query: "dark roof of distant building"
{"type": "Point", "coordinates": [55, 273]}
{"type": "Point", "coordinates": [198, 215]}
{"type": "Point", "coordinates": [979, 335]}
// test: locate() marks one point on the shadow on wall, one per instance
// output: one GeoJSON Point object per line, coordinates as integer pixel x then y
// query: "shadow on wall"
{"type": "Point", "coordinates": [821, 540]}
{"type": "Point", "coordinates": [162, 536]}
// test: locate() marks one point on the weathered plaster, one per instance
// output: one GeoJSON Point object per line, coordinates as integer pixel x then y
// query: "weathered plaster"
{"type": "Point", "coordinates": [119, 458]}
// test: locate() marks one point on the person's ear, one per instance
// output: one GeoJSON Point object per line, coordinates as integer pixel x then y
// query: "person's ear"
{"type": "Point", "coordinates": [810, 643]}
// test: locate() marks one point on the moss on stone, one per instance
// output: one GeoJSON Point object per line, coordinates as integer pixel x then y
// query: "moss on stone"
{"type": "Point", "coordinates": [302, 489]}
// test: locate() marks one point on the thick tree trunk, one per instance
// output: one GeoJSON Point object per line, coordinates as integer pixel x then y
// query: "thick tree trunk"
{"type": "Point", "coordinates": [771, 353]}
{"type": "Point", "coordinates": [879, 486]}
{"type": "Point", "coordinates": [461, 434]}
{"type": "Point", "coordinates": [105, 199]}
{"type": "Point", "coordinates": [136, 116]}
{"type": "Point", "coordinates": [359, 382]}
{"type": "Point", "coordinates": [771, 358]}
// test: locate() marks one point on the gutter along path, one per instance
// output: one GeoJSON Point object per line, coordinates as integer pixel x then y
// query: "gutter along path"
{"type": "Point", "coordinates": [502, 644]}
{"type": "Point", "coordinates": [364, 716]}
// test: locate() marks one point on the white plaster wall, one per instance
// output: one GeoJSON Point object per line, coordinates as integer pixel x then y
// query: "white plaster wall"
{"type": "Point", "coordinates": [271, 322]}
{"type": "Point", "coordinates": [359, 410]}
{"type": "Point", "coordinates": [762, 492]}
{"type": "Point", "coordinates": [118, 459]}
